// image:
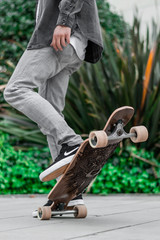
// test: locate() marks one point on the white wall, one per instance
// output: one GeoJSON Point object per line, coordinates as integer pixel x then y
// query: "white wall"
{"type": "Point", "coordinates": [148, 9]}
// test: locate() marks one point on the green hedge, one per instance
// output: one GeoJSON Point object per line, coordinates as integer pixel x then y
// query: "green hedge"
{"type": "Point", "coordinates": [20, 169]}
{"type": "Point", "coordinates": [123, 174]}
{"type": "Point", "coordinates": [16, 26]}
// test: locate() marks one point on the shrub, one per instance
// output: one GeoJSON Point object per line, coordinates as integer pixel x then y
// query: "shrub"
{"type": "Point", "coordinates": [123, 173]}
{"type": "Point", "coordinates": [20, 169]}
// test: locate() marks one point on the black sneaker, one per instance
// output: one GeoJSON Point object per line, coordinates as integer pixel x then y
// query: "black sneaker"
{"type": "Point", "coordinates": [60, 164]}
{"type": "Point", "coordinates": [76, 201]}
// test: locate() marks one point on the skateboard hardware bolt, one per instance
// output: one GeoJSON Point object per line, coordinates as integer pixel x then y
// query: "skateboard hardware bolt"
{"type": "Point", "coordinates": [120, 121]}
{"type": "Point", "coordinates": [119, 132]}
{"type": "Point", "coordinates": [60, 206]}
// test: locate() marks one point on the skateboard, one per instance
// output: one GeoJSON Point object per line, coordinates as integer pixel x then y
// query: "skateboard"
{"type": "Point", "coordinates": [88, 162]}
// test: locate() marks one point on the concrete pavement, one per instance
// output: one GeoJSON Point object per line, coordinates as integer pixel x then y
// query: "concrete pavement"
{"type": "Point", "coordinates": [122, 217]}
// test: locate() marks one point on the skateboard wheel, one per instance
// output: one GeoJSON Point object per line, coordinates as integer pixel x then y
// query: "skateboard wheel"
{"type": "Point", "coordinates": [81, 211]}
{"type": "Point", "coordinates": [44, 213]}
{"type": "Point", "coordinates": [141, 134]}
{"type": "Point", "coordinates": [98, 139]}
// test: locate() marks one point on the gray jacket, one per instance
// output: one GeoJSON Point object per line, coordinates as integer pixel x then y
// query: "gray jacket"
{"type": "Point", "coordinates": [84, 13]}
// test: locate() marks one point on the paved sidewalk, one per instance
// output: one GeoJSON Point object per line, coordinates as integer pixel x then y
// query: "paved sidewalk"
{"type": "Point", "coordinates": [122, 217]}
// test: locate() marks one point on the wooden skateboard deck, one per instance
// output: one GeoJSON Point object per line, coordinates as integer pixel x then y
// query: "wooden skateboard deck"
{"type": "Point", "coordinates": [87, 162]}
{"type": "Point", "coordinates": [91, 156]}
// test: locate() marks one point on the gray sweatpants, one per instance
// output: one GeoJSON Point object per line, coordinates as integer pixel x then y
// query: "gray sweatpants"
{"type": "Point", "coordinates": [49, 71]}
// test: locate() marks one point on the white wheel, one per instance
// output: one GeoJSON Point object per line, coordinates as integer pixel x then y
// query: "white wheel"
{"type": "Point", "coordinates": [81, 211]}
{"type": "Point", "coordinates": [98, 139]}
{"type": "Point", "coordinates": [141, 134]}
{"type": "Point", "coordinates": [44, 213]}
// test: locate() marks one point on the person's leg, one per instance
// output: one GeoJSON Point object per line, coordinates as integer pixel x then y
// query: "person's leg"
{"type": "Point", "coordinates": [54, 91]}
{"type": "Point", "coordinates": [32, 71]}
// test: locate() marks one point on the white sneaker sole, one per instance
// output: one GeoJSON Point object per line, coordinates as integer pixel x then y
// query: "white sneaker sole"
{"type": "Point", "coordinates": [55, 170]}
{"type": "Point", "coordinates": [35, 214]}
{"type": "Point", "coordinates": [75, 202]}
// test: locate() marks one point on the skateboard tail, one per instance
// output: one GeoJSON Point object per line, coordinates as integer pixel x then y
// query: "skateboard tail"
{"type": "Point", "coordinates": [123, 113]}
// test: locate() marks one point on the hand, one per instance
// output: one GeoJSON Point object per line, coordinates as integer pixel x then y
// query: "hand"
{"type": "Point", "coordinates": [61, 33]}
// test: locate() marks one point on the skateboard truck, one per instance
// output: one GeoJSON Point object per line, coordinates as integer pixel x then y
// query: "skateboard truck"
{"type": "Point", "coordinates": [99, 139]}
{"type": "Point", "coordinates": [45, 212]}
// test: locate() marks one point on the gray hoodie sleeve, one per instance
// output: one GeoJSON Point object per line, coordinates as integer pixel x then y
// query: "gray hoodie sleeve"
{"type": "Point", "coordinates": [68, 9]}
